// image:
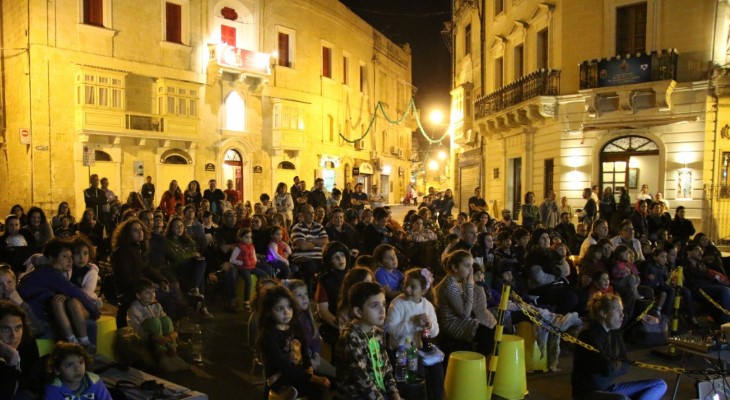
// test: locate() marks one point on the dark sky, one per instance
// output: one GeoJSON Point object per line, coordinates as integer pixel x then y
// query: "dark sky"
{"type": "Point", "coordinates": [418, 22]}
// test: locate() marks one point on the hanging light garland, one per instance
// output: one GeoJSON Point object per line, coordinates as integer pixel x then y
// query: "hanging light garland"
{"type": "Point", "coordinates": [411, 109]}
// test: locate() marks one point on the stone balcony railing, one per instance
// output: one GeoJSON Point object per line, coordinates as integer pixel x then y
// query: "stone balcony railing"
{"type": "Point", "coordinates": [539, 83]}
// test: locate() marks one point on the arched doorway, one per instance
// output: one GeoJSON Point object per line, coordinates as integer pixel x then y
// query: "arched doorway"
{"type": "Point", "coordinates": [233, 170]}
{"type": "Point", "coordinates": [174, 164]}
{"type": "Point", "coordinates": [630, 161]}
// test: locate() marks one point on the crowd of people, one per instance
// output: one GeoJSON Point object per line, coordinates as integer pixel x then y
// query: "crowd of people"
{"type": "Point", "coordinates": [376, 283]}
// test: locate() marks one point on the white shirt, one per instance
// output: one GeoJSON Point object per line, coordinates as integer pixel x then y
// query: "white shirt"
{"type": "Point", "coordinates": [401, 323]}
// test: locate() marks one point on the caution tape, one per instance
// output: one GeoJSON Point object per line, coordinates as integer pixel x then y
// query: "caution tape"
{"type": "Point", "coordinates": [713, 302]}
{"type": "Point", "coordinates": [529, 311]}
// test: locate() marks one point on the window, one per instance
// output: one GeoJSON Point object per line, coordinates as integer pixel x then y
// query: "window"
{"type": "Point", "coordinates": [542, 49]}
{"type": "Point", "coordinates": [467, 40]}
{"type": "Point", "coordinates": [100, 90]}
{"type": "Point", "coordinates": [173, 22]}
{"type": "Point", "coordinates": [228, 35]}
{"type": "Point", "coordinates": [498, 73]}
{"type": "Point", "coordinates": [345, 70]}
{"type": "Point", "coordinates": [326, 62]}
{"type": "Point", "coordinates": [548, 173]}
{"type": "Point", "coordinates": [94, 12]}
{"type": "Point", "coordinates": [285, 59]}
{"type": "Point", "coordinates": [498, 7]}
{"type": "Point", "coordinates": [519, 61]}
{"type": "Point", "coordinates": [631, 29]}
{"type": "Point", "coordinates": [235, 113]}
{"type": "Point", "coordinates": [724, 182]}
{"type": "Point", "coordinates": [363, 78]}
{"type": "Point", "coordinates": [176, 98]}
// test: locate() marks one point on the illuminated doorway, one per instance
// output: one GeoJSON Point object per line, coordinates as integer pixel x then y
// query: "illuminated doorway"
{"type": "Point", "coordinates": [630, 161]}
{"type": "Point", "coordinates": [233, 170]}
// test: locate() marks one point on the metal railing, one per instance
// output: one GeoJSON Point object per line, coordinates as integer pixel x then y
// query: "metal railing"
{"type": "Point", "coordinates": [663, 67]}
{"type": "Point", "coordinates": [539, 83]}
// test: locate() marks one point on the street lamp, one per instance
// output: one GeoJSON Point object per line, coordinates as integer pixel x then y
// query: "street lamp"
{"type": "Point", "coordinates": [433, 165]}
{"type": "Point", "coordinates": [442, 155]}
{"type": "Point", "coordinates": [436, 116]}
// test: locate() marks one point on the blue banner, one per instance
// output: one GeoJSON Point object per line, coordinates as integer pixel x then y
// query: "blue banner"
{"type": "Point", "coordinates": [624, 71]}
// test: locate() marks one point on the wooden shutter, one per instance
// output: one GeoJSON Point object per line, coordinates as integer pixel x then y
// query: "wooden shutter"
{"type": "Point", "coordinates": [173, 13]}
{"type": "Point", "coordinates": [326, 62]}
{"type": "Point", "coordinates": [284, 50]}
{"type": "Point", "coordinates": [228, 35]}
{"type": "Point", "coordinates": [94, 12]}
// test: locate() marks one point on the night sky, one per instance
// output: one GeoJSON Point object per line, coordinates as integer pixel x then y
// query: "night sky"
{"type": "Point", "coordinates": [418, 22]}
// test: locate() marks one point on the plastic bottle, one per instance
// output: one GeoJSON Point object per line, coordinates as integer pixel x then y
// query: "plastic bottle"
{"type": "Point", "coordinates": [196, 341]}
{"type": "Point", "coordinates": [426, 339]}
{"type": "Point", "coordinates": [401, 364]}
{"type": "Point", "coordinates": [412, 356]}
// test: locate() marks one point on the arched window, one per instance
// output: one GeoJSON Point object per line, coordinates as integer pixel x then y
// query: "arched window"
{"type": "Point", "coordinates": [233, 155]}
{"type": "Point", "coordinates": [235, 112]}
{"type": "Point", "coordinates": [176, 157]}
{"type": "Point", "coordinates": [286, 165]}
{"type": "Point", "coordinates": [102, 155]}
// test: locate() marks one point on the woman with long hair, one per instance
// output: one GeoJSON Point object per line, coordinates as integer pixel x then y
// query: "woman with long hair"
{"type": "Point", "coordinates": [185, 265]}
{"type": "Point", "coordinates": [172, 197]}
{"type": "Point", "coordinates": [193, 195]}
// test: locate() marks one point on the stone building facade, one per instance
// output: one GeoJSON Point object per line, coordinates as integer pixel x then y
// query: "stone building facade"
{"type": "Point", "coordinates": [569, 94]}
{"type": "Point", "coordinates": [255, 91]}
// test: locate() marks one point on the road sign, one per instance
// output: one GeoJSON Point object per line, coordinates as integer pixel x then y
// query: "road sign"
{"type": "Point", "coordinates": [24, 135]}
{"type": "Point", "coordinates": [89, 156]}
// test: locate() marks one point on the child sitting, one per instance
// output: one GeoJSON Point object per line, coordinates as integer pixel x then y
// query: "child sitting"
{"type": "Point", "coordinates": [280, 344]}
{"type": "Point", "coordinates": [655, 276]}
{"type": "Point", "coordinates": [412, 318]}
{"type": "Point", "coordinates": [146, 316]}
{"type": "Point", "coordinates": [279, 252]}
{"type": "Point", "coordinates": [624, 273]}
{"type": "Point", "coordinates": [353, 276]}
{"type": "Point", "coordinates": [363, 367]}
{"type": "Point", "coordinates": [312, 339]}
{"type": "Point", "coordinates": [84, 274]}
{"type": "Point", "coordinates": [244, 260]}
{"type": "Point", "coordinates": [387, 273]}
{"type": "Point", "coordinates": [68, 363]}
{"type": "Point", "coordinates": [65, 230]}
{"type": "Point", "coordinates": [600, 284]}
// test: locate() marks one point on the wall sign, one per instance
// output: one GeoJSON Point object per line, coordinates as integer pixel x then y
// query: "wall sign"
{"type": "Point", "coordinates": [24, 135]}
{"type": "Point", "coordinates": [619, 71]}
{"type": "Point", "coordinates": [257, 169]}
{"type": "Point", "coordinates": [355, 171]}
{"type": "Point", "coordinates": [209, 167]}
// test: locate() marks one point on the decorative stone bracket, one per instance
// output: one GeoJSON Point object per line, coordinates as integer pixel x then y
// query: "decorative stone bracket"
{"type": "Point", "coordinates": [630, 98]}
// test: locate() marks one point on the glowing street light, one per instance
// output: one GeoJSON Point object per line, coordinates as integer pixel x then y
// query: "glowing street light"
{"type": "Point", "coordinates": [436, 116]}
{"type": "Point", "coordinates": [442, 155]}
{"type": "Point", "coordinates": [433, 165]}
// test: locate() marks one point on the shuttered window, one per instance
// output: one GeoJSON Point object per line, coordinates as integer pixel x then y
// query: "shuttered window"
{"type": "Point", "coordinates": [326, 62]}
{"type": "Point", "coordinates": [173, 22]}
{"type": "Point", "coordinates": [94, 12]}
{"type": "Point", "coordinates": [228, 35]}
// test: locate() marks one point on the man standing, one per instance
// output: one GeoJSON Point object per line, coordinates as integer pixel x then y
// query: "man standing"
{"type": "Point", "coordinates": [376, 198]}
{"type": "Point", "coordinates": [316, 197]}
{"type": "Point", "coordinates": [231, 193]}
{"type": "Point", "coordinates": [549, 210]}
{"type": "Point", "coordinates": [359, 198]}
{"type": "Point", "coordinates": [148, 193]}
{"type": "Point", "coordinates": [95, 198]}
{"type": "Point", "coordinates": [308, 238]}
{"type": "Point", "coordinates": [215, 196]}
{"type": "Point", "coordinates": [477, 203]}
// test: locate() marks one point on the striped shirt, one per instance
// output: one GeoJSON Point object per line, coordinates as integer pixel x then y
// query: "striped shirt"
{"type": "Point", "coordinates": [308, 233]}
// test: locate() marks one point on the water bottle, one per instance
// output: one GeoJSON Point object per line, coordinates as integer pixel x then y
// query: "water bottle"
{"type": "Point", "coordinates": [412, 357]}
{"type": "Point", "coordinates": [196, 342]}
{"type": "Point", "coordinates": [401, 363]}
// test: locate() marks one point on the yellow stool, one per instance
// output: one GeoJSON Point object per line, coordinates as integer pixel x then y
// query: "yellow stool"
{"type": "Point", "coordinates": [45, 346]}
{"type": "Point", "coordinates": [240, 286]}
{"type": "Point", "coordinates": [534, 360]}
{"type": "Point", "coordinates": [106, 328]}
{"type": "Point", "coordinates": [466, 376]}
{"type": "Point", "coordinates": [510, 380]}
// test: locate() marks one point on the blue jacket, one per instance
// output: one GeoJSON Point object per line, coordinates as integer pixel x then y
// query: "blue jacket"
{"type": "Point", "coordinates": [95, 390]}
{"type": "Point", "coordinates": [40, 286]}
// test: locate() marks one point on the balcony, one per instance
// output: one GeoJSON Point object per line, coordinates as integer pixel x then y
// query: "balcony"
{"type": "Point", "coordinates": [241, 62]}
{"type": "Point", "coordinates": [538, 83]}
{"type": "Point", "coordinates": [630, 69]}
{"type": "Point", "coordinates": [119, 123]}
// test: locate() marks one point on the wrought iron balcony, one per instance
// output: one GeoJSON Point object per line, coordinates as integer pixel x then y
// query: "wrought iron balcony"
{"type": "Point", "coordinates": [539, 83]}
{"type": "Point", "coordinates": [625, 70]}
